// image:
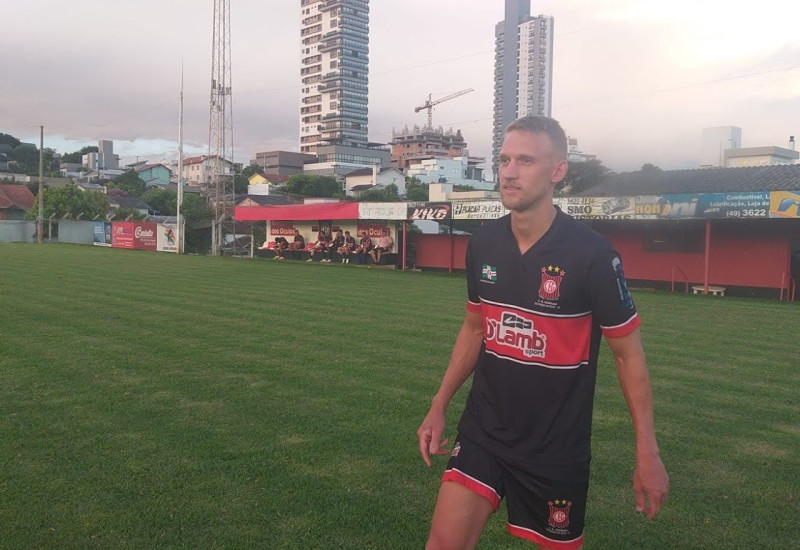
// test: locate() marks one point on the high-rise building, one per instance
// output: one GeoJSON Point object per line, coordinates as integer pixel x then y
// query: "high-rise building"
{"type": "Point", "coordinates": [334, 73]}
{"type": "Point", "coordinates": [523, 69]}
{"type": "Point", "coordinates": [716, 141]}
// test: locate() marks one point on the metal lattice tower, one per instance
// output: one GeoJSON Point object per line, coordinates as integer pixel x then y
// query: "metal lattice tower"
{"type": "Point", "coordinates": [220, 131]}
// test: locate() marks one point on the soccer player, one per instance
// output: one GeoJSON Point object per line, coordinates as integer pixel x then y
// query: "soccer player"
{"type": "Point", "coordinates": [542, 290]}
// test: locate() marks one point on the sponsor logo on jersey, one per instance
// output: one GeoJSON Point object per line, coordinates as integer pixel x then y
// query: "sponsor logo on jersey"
{"type": "Point", "coordinates": [517, 332]}
{"type": "Point", "coordinates": [559, 516]}
{"type": "Point", "coordinates": [456, 449]}
{"type": "Point", "coordinates": [550, 287]}
{"type": "Point", "coordinates": [622, 285]}
{"type": "Point", "coordinates": [488, 273]}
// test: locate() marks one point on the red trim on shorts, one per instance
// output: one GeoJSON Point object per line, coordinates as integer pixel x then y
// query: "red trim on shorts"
{"type": "Point", "coordinates": [618, 331]}
{"type": "Point", "coordinates": [541, 540]}
{"type": "Point", "coordinates": [472, 307]}
{"type": "Point", "coordinates": [473, 485]}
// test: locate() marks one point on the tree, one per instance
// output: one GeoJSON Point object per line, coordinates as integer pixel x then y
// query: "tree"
{"type": "Point", "coordinates": [131, 183]}
{"type": "Point", "coordinates": [195, 209]}
{"type": "Point", "coordinates": [581, 176]}
{"type": "Point", "coordinates": [313, 186]}
{"type": "Point", "coordinates": [7, 139]}
{"type": "Point", "coordinates": [416, 190]}
{"type": "Point", "coordinates": [383, 194]}
{"type": "Point", "coordinates": [77, 156]}
{"type": "Point", "coordinates": [163, 201]}
{"type": "Point", "coordinates": [241, 181]}
{"type": "Point", "coordinates": [71, 201]}
{"type": "Point", "coordinates": [648, 167]}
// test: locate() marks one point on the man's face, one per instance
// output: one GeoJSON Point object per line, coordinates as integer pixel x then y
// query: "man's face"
{"type": "Point", "coordinates": [528, 170]}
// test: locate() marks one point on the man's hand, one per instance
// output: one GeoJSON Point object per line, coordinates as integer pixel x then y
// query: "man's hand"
{"type": "Point", "coordinates": [430, 437]}
{"type": "Point", "coordinates": [650, 484]}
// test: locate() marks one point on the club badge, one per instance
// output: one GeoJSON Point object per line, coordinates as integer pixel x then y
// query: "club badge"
{"type": "Point", "coordinates": [551, 282]}
{"type": "Point", "coordinates": [559, 513]}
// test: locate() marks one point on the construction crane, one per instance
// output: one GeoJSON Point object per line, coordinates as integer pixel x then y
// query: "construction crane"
{"type": "Point", "coordinates": [429, 104]}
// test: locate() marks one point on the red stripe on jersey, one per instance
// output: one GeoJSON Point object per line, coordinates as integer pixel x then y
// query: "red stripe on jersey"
{"type": "Point", "coordinates": [472, 307]}
{"type": "Point", "coordinates": [541, 340]}
{"type": "Point", "coordinates": [473, 485]}
{"type": "Point", "coordinates": [544, 542]}
{"type": "Point", "coordinates": [618, 331]}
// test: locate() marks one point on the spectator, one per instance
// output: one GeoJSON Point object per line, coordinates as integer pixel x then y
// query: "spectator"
{"type": "Point", "coordinates": [319, 244]}
{"type": "Point", "coordinates": [333, 246]}
{"type": "Point", "coordinates": [385, 245]}
{"type": "Point", "coordinates": [348, 247]}
{"type": "Point", "coordinates": [281, 246]}
{"type": "Point", "coordinates": [364, 248]}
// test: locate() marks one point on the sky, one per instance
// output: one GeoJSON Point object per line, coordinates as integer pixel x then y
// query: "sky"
{"type": "Point", "coordinates": [635, 81]}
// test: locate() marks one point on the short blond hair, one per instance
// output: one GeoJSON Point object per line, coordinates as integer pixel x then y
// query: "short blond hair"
{"type": "Point", "coordinates": [542, 125]}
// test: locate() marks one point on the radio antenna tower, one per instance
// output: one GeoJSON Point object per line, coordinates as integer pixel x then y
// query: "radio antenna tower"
{"type": "Point", "coordinates": [220, 131]}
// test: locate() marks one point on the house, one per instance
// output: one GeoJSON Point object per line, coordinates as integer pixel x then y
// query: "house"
{"type": "Point", "coordinates": [364, 179]}
{"type": "Point", "coordinates": [265, 184]}
{"type": "Point", "coordinates": [197, 170]}
{"type": "Point", "coordinates": [264, 200]}
{"type": "Point", "coordinates": [152, 174]}
{"type": "Point", "coordinates": [15, 200]}
{"type": "Point", "coordinates": [122, 201]}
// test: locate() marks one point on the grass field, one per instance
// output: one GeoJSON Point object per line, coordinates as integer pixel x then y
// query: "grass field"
{"type": "Point", "coordinates": [155, 401]}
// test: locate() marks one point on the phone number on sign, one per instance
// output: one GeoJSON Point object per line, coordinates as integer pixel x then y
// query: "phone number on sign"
{"type": "Point", "coordinates": [748, 213]}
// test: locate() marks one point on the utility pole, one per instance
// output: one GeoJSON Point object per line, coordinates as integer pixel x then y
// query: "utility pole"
{"type": "Point", "coordinates": [179, 248]}
{"type": "Point", "coordinates": [39, 220]}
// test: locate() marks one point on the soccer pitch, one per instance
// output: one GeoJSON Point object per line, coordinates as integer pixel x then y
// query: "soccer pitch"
{"type": "Point", "coordinates": [158, 401]}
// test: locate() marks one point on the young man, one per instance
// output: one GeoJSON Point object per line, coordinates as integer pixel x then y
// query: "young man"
{"type": "Point", "coordinates": [385, 244]}
{"type": "Point", "coordinates": [347, 248]}
{"type": "Point", "coordinates": [542, 289]}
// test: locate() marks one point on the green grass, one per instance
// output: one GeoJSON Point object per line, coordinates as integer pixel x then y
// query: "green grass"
{"type": "Point", "coordinates": [155, 401]}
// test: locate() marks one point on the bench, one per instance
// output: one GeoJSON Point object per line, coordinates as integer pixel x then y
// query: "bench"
{"type": "Point", "coordinates": [713, 290]}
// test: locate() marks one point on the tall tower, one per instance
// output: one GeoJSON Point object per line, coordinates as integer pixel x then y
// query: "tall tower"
{"type": "Point", "coordinates": [334, 73]}
{"type": "Point", "coordinates": [523, 69]}
{"type": "Point", "coordinates": [220, 129]}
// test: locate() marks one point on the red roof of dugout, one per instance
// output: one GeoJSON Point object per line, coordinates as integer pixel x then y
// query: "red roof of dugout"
{"type": "Point", "coordinates": [315, 212]}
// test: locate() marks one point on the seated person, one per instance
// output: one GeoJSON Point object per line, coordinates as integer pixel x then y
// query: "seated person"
{"type": "Point", "coordinates": [333, 246]}
{"type": "Point", "coordinates": [281, 246]}
{"type": "Point", "coordinates": [385, 245]}
{"type": "Point", "coordinates": [347, 248]}
{"type": "Point", "coordinates": [364, 248]}
{"type": "Point", "coordinates": [299, 242]}
{"type": "Point", "coordinates": [319, 244]}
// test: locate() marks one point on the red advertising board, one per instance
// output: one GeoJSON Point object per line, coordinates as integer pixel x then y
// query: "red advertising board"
{"type": "Point", "coordinates": [144, 236]}
{"type": "Point", "coordinates": [374, 228]}
{"type": "Point", "coordinates": [122, 234]}
{"type": "Point", "coordinates": [280, 228]}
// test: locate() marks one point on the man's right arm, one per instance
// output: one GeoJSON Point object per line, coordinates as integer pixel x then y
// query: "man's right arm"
{"type": "Point", "coordinates": [462, 363]}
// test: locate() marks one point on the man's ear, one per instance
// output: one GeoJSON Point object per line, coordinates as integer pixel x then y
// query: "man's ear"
{"type": "Point", "coordinates": [560, 171]}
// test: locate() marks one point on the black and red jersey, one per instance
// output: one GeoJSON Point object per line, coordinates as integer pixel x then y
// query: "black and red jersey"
{"type": "Point", "coordinates": [543, 312]}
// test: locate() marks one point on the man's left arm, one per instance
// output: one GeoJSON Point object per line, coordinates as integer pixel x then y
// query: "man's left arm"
{"type": "Point", "coordinates": [650, 480]}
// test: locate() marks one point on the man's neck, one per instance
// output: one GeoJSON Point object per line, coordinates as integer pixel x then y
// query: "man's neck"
{"type": "Point", "coordinates": [530, 225]}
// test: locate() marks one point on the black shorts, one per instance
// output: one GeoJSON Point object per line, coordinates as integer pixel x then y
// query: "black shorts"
{"type": "Point", "coordinates": [546, 506]}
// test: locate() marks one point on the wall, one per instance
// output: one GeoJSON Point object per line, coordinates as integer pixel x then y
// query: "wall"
{"type": "Point", "coordinates": [12, 231]}
{"type": "Point", "coordinates": [433, 251]}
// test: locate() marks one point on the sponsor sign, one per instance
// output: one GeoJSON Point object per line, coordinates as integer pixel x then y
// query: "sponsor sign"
{"type": "Point", "coordinates": [478, 210]}
{"type": "Point", "coordinates": [167, 237]}
{"type": "Point", "coordinates": [432, 211]}
{"type": "Point", "coordinates": [281, 229]}
{"type": "Point", "coordinates": [122, 234]}
{"type": "Point", "coordinates": [707, 205]}
{"type": "Point", "coordinates": [617, 208]}
{"type": "Point", "coordinates": [102, 233]}
{"type": "Point", "coordinates": [144, 236]}
{"type": "Point", "coordinates": [382, 210]}
{"type": "Point", "coordinates": [374, 229]}
{"type": "Point", "coordinates": [784, 204]}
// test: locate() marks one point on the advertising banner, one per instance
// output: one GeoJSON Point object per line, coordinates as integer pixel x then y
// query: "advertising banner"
{"type": "Point", "coordinates": [122, 234]}
{"type": "Point", "coordinates": [432, 211]}
{"type": "Point", "coordinates": [382, 210]}
{"type": "Point", "coordinates": [784, 204]}
{"type": "Point", "coordinates": [478, 210]}
{"type": "Point", "coordinates": [617, 208]}
{"type": "Point", "coordinates": [144, 236]}
{"type": "Point", "coordinates": [281, 229]}
{"type": "Point", "coordinates": [167, 237]}
{"type": "Point", "coordinates": [707, 205]}
{"type": "Point", "coordinates": [102, 233]}
{"type": "Point", "coordinates": [374, 228]}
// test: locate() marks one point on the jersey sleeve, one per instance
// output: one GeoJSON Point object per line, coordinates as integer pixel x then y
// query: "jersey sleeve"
{"type": "Point", "coordinates": [473, 298]}
{"type": "Point", "coordinates": [612, 305]}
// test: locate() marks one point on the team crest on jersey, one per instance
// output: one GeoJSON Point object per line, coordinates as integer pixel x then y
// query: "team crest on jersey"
{"type": "Point", "coordinates": [559, 516]}
{"type": "Point", "coordinates": [488, 274]}
{"type": "Point", "coordinates": [550, 289]}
